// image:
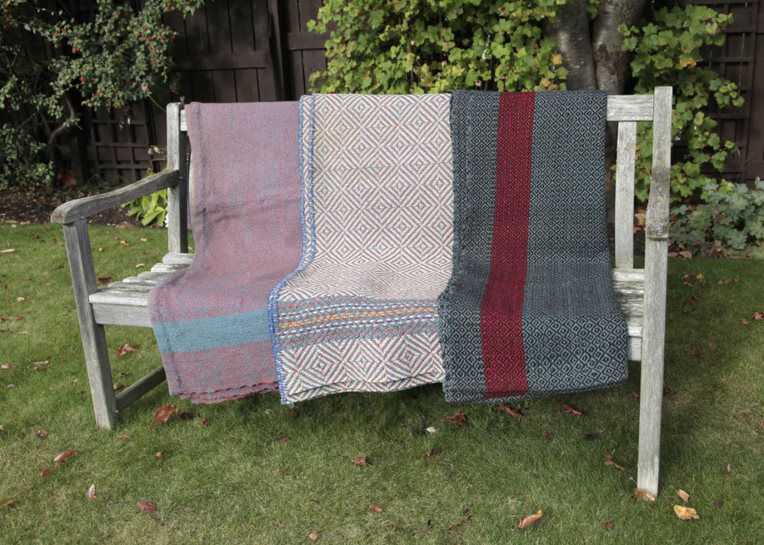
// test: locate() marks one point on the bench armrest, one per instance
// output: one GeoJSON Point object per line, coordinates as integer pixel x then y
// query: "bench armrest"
{"type": "Point", "coordinates": [77, 209]}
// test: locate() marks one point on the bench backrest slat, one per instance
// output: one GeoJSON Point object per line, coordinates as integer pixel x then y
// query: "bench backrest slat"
{"type": "Point", "coordinates": [624, 194]}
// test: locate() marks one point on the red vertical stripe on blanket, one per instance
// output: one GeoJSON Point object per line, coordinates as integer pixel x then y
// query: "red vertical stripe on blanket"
{"type": "Point", "coordinates": [501, 310]}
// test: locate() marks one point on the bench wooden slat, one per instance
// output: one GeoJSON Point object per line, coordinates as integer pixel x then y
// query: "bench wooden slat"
{"type": "Point", "coordinates": [126, 302]}
{"type": "Point", "coordinates": [624, 194]}
{"type": "Point", "coordinates": [630, 108]}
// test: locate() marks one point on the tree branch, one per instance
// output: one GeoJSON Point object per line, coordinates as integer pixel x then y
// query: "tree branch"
{"type": "Point", "coordinates": [65, 125]}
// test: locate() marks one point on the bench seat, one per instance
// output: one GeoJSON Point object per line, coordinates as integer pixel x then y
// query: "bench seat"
{"type": "Point", "coordinates": [126, 302]}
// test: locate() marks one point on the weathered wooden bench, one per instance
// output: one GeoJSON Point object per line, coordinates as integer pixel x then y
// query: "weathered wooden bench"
{"type": "Point", "coordinates": [641, 292]}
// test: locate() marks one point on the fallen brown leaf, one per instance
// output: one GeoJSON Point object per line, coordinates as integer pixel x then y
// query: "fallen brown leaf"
{"type": "Point", "coordinates": [530, 520]}
{"type": "Point", "coordinates": [548, 435]}
{"type": "Point", "coordinates": [147, 506]}
{"type": "Point", "coordinates": [91, 493]}
{"type": "Point", "coordinates": [205, 422]}
{"type": "Point", "coordinates": [686, 513]}
{"type": "Point", "coordinates": [758, 315]}
{"type": "Point", "coordinates": [123, 436]}
{"type": "Point", "coordinates": [686, 254]}
{"type": "Point", "coordinates": [8, 503]}
{"type": "Point", "coordinates": [160, 454]}
{"type": "Point", "coordinates": [457, 419]}
{"type": "Point", "coordinates": [744, 322]}
{"type": "Point", "coordinates": [283, 439]}
{"type": "Point", "coordinates": [104, 279]}
{"type": "Point", "coordinates": [361, 461]}
{"type": "Point", "coordinates": [40, 365]}
{"type": "Point", "coordinates": [313, 536]}
{"type": "Point", "coordinates": [570, 410]}
{"type": "Point", "coordinates": [376, 508]}
{"type": "Point", "coordinates": [124, 349]}
{"type": "Point", "coordinates": [46, 472]}
{"type": "Point", "coordinates": [610, 462]}
{"type": "Point", "coordinates": [63, 455]}
{"type": "Point", "coordinates": [119, 386]}
{"type": "Point", "coordinates": [728, 470]}
{"type": "Point", "coordinates": [644, 495]}
{"type": "Point", "coordinates": [431, 453]}
{"type": "Point", "coordinates": [458, 525]}
{"type": "Point", "coordinates": [508, 410]}
{"type": "Point", "coordinates": [608, 525]}
{"type": "Point", "coordinates": [6, 366]}
{"type": "Point", "coordinates": [684, 495]}
{"type": "Point", "coordinates": [41, 433]}
{"type": "Point", "coordinates": [163, 414]}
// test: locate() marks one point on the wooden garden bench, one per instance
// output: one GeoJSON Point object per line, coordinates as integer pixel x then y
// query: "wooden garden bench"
{"type": "Point", "coordinates": [641, 292]}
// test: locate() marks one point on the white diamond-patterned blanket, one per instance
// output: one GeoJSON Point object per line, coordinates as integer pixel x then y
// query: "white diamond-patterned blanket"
{"type": "Point", "coordinates": [360, 312]}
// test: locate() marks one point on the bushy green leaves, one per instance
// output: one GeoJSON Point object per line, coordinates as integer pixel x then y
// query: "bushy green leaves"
{"type": "Point", "coordinates": [48, 57]}
{"type": "Point", "coordinates": [667, 51]}
{"type": "Point", "coordinates": [430, 46]}
{"type": "Point", "coordinates": [732, 216]}
{"type": "Point", "coordinates": [149, 210]}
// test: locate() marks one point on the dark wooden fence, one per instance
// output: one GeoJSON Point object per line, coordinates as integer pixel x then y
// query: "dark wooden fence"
{"type": "Point", "coordinates": [741, 60]}
{"type": "Point", "coordinates": [228, 51]}
{"type": "Point", "coordinates": [252, 50]}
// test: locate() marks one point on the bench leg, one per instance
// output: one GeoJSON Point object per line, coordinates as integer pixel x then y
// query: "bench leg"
{"type": "Point", "coordinates": [650, 401]}
{"type": "Point", "coordinates": [651, 388]}
{"type": "Point", "coordinates": [92, 333]}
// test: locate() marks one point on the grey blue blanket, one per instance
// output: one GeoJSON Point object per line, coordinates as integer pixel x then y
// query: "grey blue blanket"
{"type": "Point", "coordinates": [529, 309]}
{"type": "Point", "coordinates": [211, 319]}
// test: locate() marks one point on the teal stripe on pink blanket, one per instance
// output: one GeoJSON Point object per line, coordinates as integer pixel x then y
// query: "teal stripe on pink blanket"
{"type": "Point", "coordinates": [214, 332]}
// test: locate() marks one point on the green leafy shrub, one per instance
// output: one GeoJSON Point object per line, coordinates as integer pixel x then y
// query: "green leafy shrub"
{"type": "Point", "coordinates": [433, 46]}
{"type": "Point", "coordinates": [415, 46]}
{"type": "Point", "coordinates": [50, 61]}
{"type": "Point", "coordinates": [667, 51]}
{"type": "Point", "coordinates": [732, 217]}
{"type": "Point", "coordinates": [149, 210]}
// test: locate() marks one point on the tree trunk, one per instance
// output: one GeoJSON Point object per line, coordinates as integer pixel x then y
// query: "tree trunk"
{"type": "Point", "coordinates": [612, 64]}
{"type": "Point", "coordinates": [570, 31]}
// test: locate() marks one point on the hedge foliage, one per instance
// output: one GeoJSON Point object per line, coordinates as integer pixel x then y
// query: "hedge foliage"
{"type": "Point", "coordinates": [51, 60]}
{"type": "Point", "coordinates": [432, 46]}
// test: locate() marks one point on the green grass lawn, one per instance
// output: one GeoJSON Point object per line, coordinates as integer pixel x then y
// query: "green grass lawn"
{"type": "Point", "coordinates": [226, 478]}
